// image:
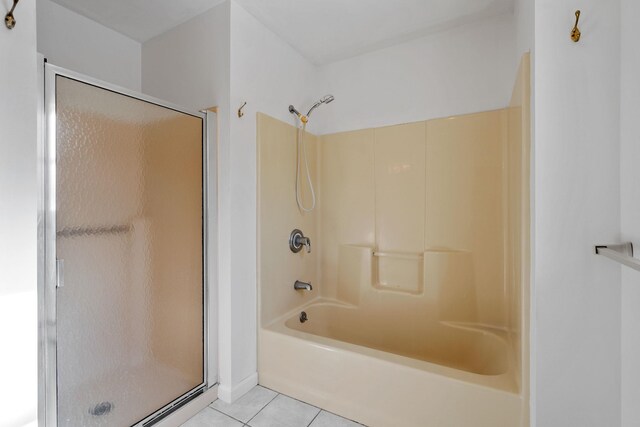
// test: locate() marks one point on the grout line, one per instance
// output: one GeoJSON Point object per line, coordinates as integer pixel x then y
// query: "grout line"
{"type": "Point", "coordinates": [246, 424]}
{"type": "Point", "coordinates": [243, 422]}
{"type": "Point", "coordinates": [306, 403]}
{"type": "Point", "coordinates": [227, 415]}
{"type": "Point", "coordinates": [267, 388]}
{"type": "Point", "coordinates": [301, 401]}
{"type": "Point", "coordinates": [267, 404]}
{"type": "Point", "coordinates": [345, 418]}
{"type": "Point", "coordinates": [314, 418]}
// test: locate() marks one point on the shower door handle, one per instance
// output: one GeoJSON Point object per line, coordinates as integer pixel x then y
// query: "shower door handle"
{"type": "Point", "coordinates": [59, 273]}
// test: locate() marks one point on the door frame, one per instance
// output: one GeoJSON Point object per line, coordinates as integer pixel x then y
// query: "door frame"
{"type": "Point", "coordinates": [47, 280]}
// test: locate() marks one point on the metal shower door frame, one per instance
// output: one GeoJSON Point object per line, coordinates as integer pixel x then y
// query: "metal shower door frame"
{"type": "Point", "coordinates": [47, 269]}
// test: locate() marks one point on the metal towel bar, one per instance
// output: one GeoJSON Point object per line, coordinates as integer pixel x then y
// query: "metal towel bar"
{"type": "Point", "coordinates": [622, 253]}
{"type": "Point", "coordinates": [96, 231]}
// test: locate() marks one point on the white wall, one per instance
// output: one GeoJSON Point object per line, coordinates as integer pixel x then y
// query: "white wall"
{"type": "Point", "coordinates": [465, 69]}
{"type": "Point", "coordinates": [72, 41]}
{"type": "Point", "coordinates": [18, 218]}
{"type": "Point", "coordinates": [269, 75]}
{"type": "Point", "coordinates": [577, 205]}
{"type": "Point", "coordinates": [524, 22]}
{"type": "Point", "coordinates": [189, 65]}
{"type": "Point", "coordinates": [630, 209]}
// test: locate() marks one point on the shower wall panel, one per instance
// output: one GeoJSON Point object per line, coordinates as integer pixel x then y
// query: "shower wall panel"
{"type": "Point", "coordinates": [346, 181]}
{"type": "Point", "coordinates": [420, 196]}
{"type": "Point", "coordinates": [278, 215]}
{"type": "Point", "coordinates": [399, 185]}
{"type": "Point", "coordinates": [172, 215]}
{"type": "Point", "coordinates": [464, 200]}
{"type": "Point", "coordinates": [517, 250]}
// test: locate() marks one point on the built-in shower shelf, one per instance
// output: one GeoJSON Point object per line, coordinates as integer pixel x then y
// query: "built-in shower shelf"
{"type": "Point", "coordinates": [399, 271]}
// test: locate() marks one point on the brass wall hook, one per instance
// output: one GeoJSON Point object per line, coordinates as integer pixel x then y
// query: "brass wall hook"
{"type": "Point", "coordinates": [575, 33]}
{"type": "Point", "coordinates": [240, 112]}
{"type": "Point", "coordinates": [9, 19]}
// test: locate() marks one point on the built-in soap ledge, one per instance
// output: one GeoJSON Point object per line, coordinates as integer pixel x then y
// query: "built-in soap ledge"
{"type": "Point", "coordinates": [399, 271]}
{"type": "Point", "coordinates": [399, 255]}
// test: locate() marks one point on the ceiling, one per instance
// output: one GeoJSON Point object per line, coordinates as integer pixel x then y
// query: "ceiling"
{"type": "Point", "coordinates": [328, 30]}
{"type": "Point", "coordinates": [140, 20]}
{"type": "Point", "coordinates": [321, 30]}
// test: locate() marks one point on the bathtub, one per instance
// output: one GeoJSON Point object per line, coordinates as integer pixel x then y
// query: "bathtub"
{"type": "Point", "coordinates": [392, 373]}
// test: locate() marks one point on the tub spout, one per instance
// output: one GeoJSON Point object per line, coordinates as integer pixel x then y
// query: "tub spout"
{"type": "Point", "coordinates": [302, 286]}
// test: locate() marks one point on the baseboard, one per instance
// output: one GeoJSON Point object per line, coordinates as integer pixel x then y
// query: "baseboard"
{"type": "Point", "coordinates": [230, 394]}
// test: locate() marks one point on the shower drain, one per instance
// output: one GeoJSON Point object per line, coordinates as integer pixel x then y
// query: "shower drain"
{"type": "Point", "coordinates": [101, 409]}
{"type": "Point", "coordinates": [303, 317]}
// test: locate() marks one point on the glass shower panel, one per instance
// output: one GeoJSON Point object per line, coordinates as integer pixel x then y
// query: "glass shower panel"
{"type": "Point", "coordinates": [130, 236]}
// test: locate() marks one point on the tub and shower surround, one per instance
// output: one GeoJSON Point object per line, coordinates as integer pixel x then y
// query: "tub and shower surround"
{"type": "Point", "coordinates": [419, 268]}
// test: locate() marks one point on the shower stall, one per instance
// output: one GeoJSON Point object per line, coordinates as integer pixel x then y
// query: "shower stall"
{"type": "Point", "coordinates": [126, 329]}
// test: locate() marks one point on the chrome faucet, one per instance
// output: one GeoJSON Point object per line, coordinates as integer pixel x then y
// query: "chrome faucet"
{"type": "Point", "coordinates": [297, 241]}
{"type": "Point", "coordinates": [302, 286]}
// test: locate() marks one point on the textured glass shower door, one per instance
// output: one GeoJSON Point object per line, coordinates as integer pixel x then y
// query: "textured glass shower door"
{"type": "Point", "coordinates": [129, 229]}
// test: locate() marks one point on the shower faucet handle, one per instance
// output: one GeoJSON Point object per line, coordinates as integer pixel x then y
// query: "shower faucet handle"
{"type": "Point", "coordinates": [297, 240]}
{"type": "Point", "coordinates": [306, 242]}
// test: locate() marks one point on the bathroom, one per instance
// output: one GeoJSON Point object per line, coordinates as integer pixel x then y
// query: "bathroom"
{"type": "Point", "coordinates": [463, 161]}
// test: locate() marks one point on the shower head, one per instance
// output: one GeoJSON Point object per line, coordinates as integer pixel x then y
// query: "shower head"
{"type": "Point", "coordinates": [325, 100]}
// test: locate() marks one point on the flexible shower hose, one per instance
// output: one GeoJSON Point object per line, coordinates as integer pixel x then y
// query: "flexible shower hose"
{"type": "Point", "coordinates": [302, 151]}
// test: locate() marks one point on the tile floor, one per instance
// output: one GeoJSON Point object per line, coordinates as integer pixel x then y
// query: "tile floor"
{"type": "Point", "coordinates": [262, 407]}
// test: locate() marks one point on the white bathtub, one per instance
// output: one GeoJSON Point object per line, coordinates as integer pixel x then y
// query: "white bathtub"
{"type": "Point", "coordinates": [391, 374]}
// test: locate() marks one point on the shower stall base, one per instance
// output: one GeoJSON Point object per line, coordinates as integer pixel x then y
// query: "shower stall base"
{"type": "Point", "coordinates": [144, 387]}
